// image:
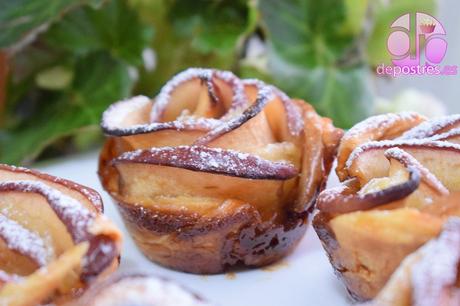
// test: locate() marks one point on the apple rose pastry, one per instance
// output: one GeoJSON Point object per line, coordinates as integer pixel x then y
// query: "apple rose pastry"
{"type": "Point", "coordinates": [217, 171]}
{"type": "Point", "coordinates": [429, 276]}
{"type": "Point", "coordinates": [138, 289]}
{"type": "Point", "coordinates": [54, 239]}
{"type": "Point", "coordinates": [399, 185]}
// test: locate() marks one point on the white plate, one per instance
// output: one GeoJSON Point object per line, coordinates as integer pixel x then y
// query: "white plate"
{"type": "Point", "coordinates": [303, 278]}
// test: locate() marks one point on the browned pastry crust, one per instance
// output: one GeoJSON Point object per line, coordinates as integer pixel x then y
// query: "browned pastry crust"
{"type": "Point", "coordinates": [395, 195]}
{"type": "Point", "coordinates": [54, 239]}
{"type": "Point", "coordinates": [217, 172]}
{"type": "Point", "coordinates": [429, 276]}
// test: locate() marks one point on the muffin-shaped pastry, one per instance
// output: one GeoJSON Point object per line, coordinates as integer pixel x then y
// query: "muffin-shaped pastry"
{"type": "Point", "coordinates": [54, 239]}
{"type": "Point", "coordinates": [428, 277]}
{"type": "Point", "coordinates": [216, 171]}
{"type": "Point", "coordinates": [399, 184]}
{"type": "Point", "coordinates": [138, 289]}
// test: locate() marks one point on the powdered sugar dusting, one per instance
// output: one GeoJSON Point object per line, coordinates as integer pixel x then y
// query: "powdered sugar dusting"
{"type": "Point", "coordinates": [147, 291]}
{"type": "Point", "coordinates": [397, 143]}
{"type": "Point", "coordinates": [432, 127]}
{"type": "Point", "coordinates": [23, 241]}
{"type": "Point", "coordinates": [408, 160]}
{"type": "Point", "coordinates": [89, 193]}
{"type": "Point", "coordinates": [162, 100]}
{"type": "Point", "coordinates": [73, 214]}
{"type": "Point", "coordinates": [437, 270]}
{"type": "Point", "coordinates": [114, 116]}
{"type": "Point", "coordinates": [380, 122]}
{"type": "Point", "coordinates": [447, 135]}
{"type": "Point", "coordinates": [293, 113]}
{"type": "Point", "coordinates": [213, 160]}
{"type": "Point", "coordinates": [264, 95]}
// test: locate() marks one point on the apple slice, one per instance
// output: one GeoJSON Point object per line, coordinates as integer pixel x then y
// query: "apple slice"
{"type": "Point", "coordinates": [404, 177]}
{"type": "Point", "coordinates": [284, 115]}
{"type": "Point", "coordinates": [42, 217]}
{"type": "Point", "coordinates": [377, 192]}
{"type": "Point", "coordinates": [223, 90]}
{"type": "Point", "coordinates": [205, 172]}
{"type": "Point", "coordinates": [89, 197]}
{"type": "Point", "coordinates": [432, 127]}
{"type": "Point", "coordinates": [452, 135]}
{"type": "Point", "coordinates": [129, 118]}
{"type": "Point", "coordinates": [439, 157]}
{"type": "Point", "coordinates": [374, 128]}
{"type": "Point", "coordinates": [426, 176]}
{"type": "Point", "coordinates": [264, 95]}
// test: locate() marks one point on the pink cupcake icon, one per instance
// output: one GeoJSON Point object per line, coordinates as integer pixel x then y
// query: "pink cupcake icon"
{"type": "Point", "coordinates": [427, 26]}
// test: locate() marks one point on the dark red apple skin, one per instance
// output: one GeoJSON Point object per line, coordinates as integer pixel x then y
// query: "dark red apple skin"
{"type": "Point", "coordinates": [89, 193]}
{"type": "Point", "coordinates": [228, 162]}
{"type": "Point", "coordinates": [347, 202]}
{"type": "Point", "coordinates": [103, 250]}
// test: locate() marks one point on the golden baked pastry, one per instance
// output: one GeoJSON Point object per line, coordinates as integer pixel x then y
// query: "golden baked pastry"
{"type": "Point", "coordinates": [138, 289]}
{"type": "Point", "coordinates": [217, 171]}
{"type": "Point", "coordinates": [429, 276]}
{"type": "Point", "coordinates": [54, 239]}
{"type": "Point", "coordinates": [399, 184]}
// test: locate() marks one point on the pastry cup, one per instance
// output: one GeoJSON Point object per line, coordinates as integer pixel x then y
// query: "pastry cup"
{"type": "Point", "coordinates": [398, 188]}
{"type": "Point", "coordinates": [54, 239]}
{"type": "Point", "coordinates": [217, 172]}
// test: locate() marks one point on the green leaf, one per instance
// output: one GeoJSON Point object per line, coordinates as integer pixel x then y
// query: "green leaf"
{"type": "Point", "coordinates": [193, 34]}
{"type": "Point", "coordinates": [20, 17]}
{"type": "Point", "coordinates": [99, 81]}
{"type": "Point", "coordinates": [115, 28]}
{"type": "Point", "coordinates": [306, 32]}
{"type": "Point", "coordinates": [308, 49]}
{"type": "Point", "coordinates": [214, 26]}
{"type": "Point", "coordinates": [385, 12]}
{"type": "Point", "coordinates": [342, 94]}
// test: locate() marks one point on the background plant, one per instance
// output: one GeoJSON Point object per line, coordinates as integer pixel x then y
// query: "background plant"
{"type": "Point", "coordinates": [62, 62]}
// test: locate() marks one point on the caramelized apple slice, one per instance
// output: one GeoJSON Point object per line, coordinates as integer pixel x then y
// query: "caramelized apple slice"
{"type": "Point", "coordinates": [42, 218]}
{"type": "Point", "coordinates": [225, 174]}
{"type": "Point", "coordinates": [368, 161]}
{"type": "Point", "coordinates": [188, 106]}
{"type": "Point", "coordinates": [452, 135]}
{"type": "Point", "coordinates": [403, 180]}
{"type": "Point", "coordinates": [432, 127]}
{"type": "Point", "coordinates": [261, 129]}
{"type": "Point", "coordinates": [183, 92]}
{"type": "Point", "coordinates": [374, 128]}
{"type": "Point", "coordinates": [40, 285]}
{"type": "Point", "coordinates": [87, 196]}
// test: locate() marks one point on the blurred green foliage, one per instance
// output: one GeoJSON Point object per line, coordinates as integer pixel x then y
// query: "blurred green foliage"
{"type": "Point", "coordinates": [65, 61]}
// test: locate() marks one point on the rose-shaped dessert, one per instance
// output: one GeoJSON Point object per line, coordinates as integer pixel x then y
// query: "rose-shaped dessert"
{"type": "Point", "coordinates": [399, 185]}
{"type": "Point", "coordinates": [138, 289]}
{"type": "Point", "coordinates": [54, 239]}
{"type": "Point", "coordinates": [429, 276]}
{"type": "Point", "coordinates": [215, 172]}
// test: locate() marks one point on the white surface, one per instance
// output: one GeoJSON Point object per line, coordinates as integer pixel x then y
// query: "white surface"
{"type": "Point", "coordinates": [303, 278]}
